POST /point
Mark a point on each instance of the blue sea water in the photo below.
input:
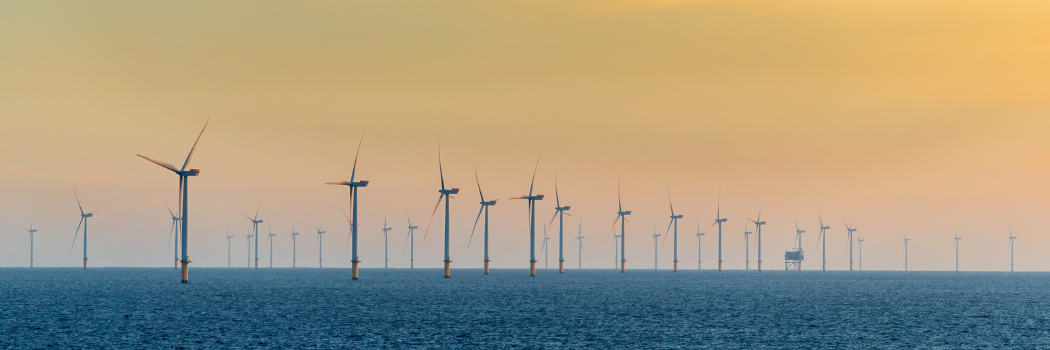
(397, 308)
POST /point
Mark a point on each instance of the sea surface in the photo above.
(148, 308)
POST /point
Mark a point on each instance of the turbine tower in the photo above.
(699, 258)
(229, 249)
(616, 250)
(353, 202)
(560, 212)
(269, 237)
(906, 239)
(860, 253)
(747, 247)
(411, 242)
(957, 238)
(184, 176)
(579, 237)
(758, 229)
(656, 249)
(320, 260)
(719, 220)
(446, 194)
(174, 230)
(31, 231)
(294, 234)
(621, 216)
(532, 218)
(255, 226)
(83, 221)
(386, 244)
(849, 237)
(250, 248)
(543, 248)
(484, 208)
(674, 222)
(1012, 238)
(823, 238)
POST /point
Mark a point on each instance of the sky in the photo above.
(918, 117)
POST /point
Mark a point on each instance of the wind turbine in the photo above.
(622, 217)
(546, 253)
(294, 234)
(229, 249)
(386, 244)
(823, 239)
(957, 238)
(674, 222)
(184, 176)
(484, 208)
(747, 247)
(446, 194)
(906, 239)
(174, 230)
(719, 220)
(83, 221)
(31, 231)
(255, 226)
(250, 248)
(616, 251)
(758, 229)
(849, 237)
(269, 236)
(320, 261)
(353, 194)
(532, 218)
(1012, 238)
(412, 242)
(579, 237)
(656, 249)
(860, 253)
(699, 259)
(560, 212)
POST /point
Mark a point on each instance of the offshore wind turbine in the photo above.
(906, 239)
(83, 221)
(320, 260)
(294, 234)
(174, 230)
(656, 249)
(1012, 238)
(269, 237)
(719, 220)
(31, 231)
(229, 249)
(250, 248)
(823, 238)
(560, 212)
(849, 237)
(674, 222)
(579, 237)
(699, 258)
(255, 226)
(353, 202)
(484, 208)
(616, 251)
(411, 242)
(621, 216)
(386, 244)
(957, 238)
(184, 176)
(446, 194)
(758, 229)
(747, 247)
(544, 249)
(860, 253)
(532, 218)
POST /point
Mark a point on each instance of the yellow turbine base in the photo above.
(448, 267)
(532, 268)
(719, 266)
(675, 266)
(85, 264)
(185, 272)
(623, 265)
(561, 267)
(256, 263)
(486, 267)
(759, 266)
(355, 270)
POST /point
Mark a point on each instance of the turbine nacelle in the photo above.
(677, 216)
(449, 191)
(492, 202)
(413, 227)
(721, 220)
(624, 213)
(565, 208)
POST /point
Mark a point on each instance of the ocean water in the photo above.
(645, 309)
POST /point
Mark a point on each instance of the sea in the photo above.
(240, 308)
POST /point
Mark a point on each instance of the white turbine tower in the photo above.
(656, 249)
(411, 242)
(184, 177)
(83, 221)
(957, 238)
(616, 251)
(32, 232)
(229, 249)
(484, 208)
(294, 235)
(269, 237)
(446, 195)
(543, 248)
(674, 222)
(255, 226)
(579, 237)
(823, 240)
(320, 260)
(621, 216)
(559, 212)
(718, 221)
(1012, 238)
(353, 203)
(249, 248)
(849, 237)
(906, 239)
(747, 247)
(860, 253)
(532, 217)
(758, 229)
(699, 244)
(386, 244)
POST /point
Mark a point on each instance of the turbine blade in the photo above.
(78, 200)
(257, 211)
(157, 162)
(432, 216)
(557, 200)
(612, 228)
(552, 220)
(533, 183)
(475, 226)
(77, 233)
(665, 235)
(354, 171)
(169, 208)
(194, 148)
(478, 181)
(441, 171)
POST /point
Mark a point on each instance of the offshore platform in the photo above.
(793, 258)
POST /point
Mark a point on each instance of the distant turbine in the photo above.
(294, 234)
(823, 238)
(860, 253)
(758, 229)
(250, 248)
(446, 194)
(546, 253)
(229, 249)
(849, 237)
(747, 247)
(411, 242)
(184, 176)
(622, 217)
(674, 222)
(532, 218)
(386, 244)
(320, 261)
(616, 251)
(656, 249)
(719, 220)
(579, 237)
(83, 221)
(699, 257)
(560, 212)
(794, 258)
(255, 226)
(174, 230)
(906, 239)
(269, 236)
(484, 208)
(798, 236)
(31, 231)
(353, 194)
(1012, 238)
(957, 238)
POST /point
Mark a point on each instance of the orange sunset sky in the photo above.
(917, 116)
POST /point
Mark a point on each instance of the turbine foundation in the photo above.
(532, 268)
(759, 266)
(256, 263)
(561, 266)
(719, 266)
(675, 266)
(355, 262)
(176, 263)
(448, 267)
(85, 264)
(185, 272)
(623, 265)
(486, 267)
